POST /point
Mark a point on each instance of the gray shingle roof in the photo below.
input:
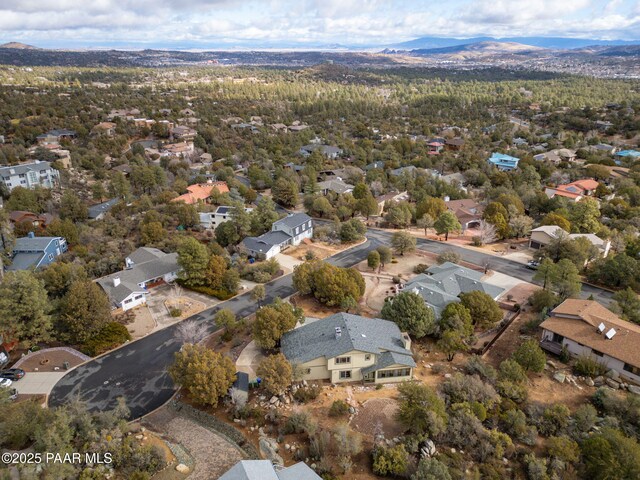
(24, 261)
(265, 242)
(36, 244)
(24, 168)
(264, 470)
(318, 339)
(444, 283)
(293, 220)
(149, 263)
(387, 359)
(337, 186)
(96, 210)
(299, 471)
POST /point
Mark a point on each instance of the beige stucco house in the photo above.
(349, 348)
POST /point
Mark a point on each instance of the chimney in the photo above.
(116, 281)
(31, 235)
(338, 332)
(128, 263)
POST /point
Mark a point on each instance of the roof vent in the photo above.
(363, 335)
(610, 334)
(601, 327)
(338, 332)
(116, 281)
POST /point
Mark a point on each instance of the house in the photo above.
(454, 144)
(292, 166)
(265, 470)
(98, 211)
(442, 284)
(631, 155)
(337, 186)
(326, 150)
(410, 170)
(574, 191)
(383, 200)
(545, 234)
(557, 156)
(33, 252)
(519, 142)
(504, 162)
(616, 171)
(245, 126)
(586, 328)
(603, 148)
(279, 127)
(29, 175)
(145, 269)
(56, 136)
(201, 192)
(180, 149)
(467, 211)
(105, 128)
(375, 165)
(290, 230)
(435, 146)
(184, 134)
(348, 348)
(211, 220)
(37, 220)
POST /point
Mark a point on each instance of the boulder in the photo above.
(182, 468)
(598, 381)
(551, 364)
(589, 381)
(634, 389)
(430, 448)
(612, 383)
(269, 450)
(559, 377)
(613, 374)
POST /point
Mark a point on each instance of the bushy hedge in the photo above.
(112, 335)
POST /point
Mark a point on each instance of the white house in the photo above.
(586, 328)
(211, 220)
(545, 234)
(290, 230)
(145, 268)
(347, 348)
(29, 175)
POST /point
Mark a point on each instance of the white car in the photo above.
(5, 382)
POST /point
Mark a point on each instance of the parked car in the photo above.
(533, 265)
(12, 374)
(5, 382)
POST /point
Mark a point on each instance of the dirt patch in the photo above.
(320, 250)
(311, 307)
(49, 361)
(378, 415)
(543, 389)
(510, 339)
(143, 324)
(186, 305)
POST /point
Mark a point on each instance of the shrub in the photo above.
(475, 366)
(110, 336)
(298, 422)
(305, 394)
(543, 299)
(175, 312)
(554, 419)
(530, 356)
(420, 268)
(390, 461)
(219, 294)
(338, 408)
(464, 388)
(589, 367)
(396, 280)
(476, 241)
(448, 256)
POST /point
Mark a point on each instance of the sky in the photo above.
(276, 23)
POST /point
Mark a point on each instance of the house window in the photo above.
(557, 338)
(367, 357)
(631, 369)
(345, 374)
(342, 360)
(399, 372)
(51, 256)
(597, 353)
(128, 300)
(307, 371)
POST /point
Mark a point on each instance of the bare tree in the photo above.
(191, 331)
(176, 291)
(238, 398)
(487, 232)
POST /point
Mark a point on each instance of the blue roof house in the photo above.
(627, 155)
(36, 252)
(504, 162)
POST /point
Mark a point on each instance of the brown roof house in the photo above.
(586, 328)
(467, 211)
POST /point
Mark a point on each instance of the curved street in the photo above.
(138, 371)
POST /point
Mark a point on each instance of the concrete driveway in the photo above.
(249, 360)
(37, 383)
(287, 262)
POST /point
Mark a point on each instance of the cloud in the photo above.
(365, 22)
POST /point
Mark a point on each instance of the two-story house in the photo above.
(211, 220)
(290, 230)
(29, 175)
(504, 162)
(348, 348)
(586, 328)
(33, 252)
(144, 269)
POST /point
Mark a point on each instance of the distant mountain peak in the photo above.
(18, 46)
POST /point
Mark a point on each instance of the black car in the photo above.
(12, 373)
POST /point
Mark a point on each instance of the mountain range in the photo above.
(561, 43)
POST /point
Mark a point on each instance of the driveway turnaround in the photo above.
(37, 383)
(138, 371)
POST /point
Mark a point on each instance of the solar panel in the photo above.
(610, 334)
(601, 327)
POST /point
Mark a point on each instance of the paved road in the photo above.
(137, 371)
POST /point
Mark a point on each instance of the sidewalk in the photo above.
(36, 383)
